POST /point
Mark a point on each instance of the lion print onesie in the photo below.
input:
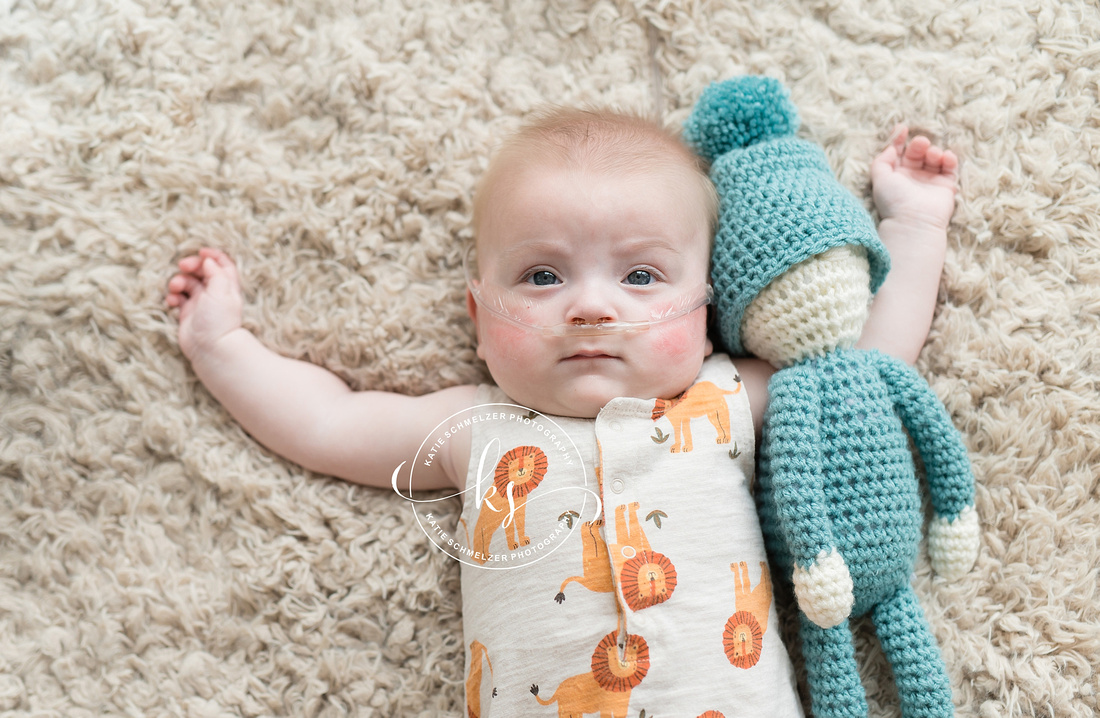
(661, 602)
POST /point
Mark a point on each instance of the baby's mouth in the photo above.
(586, 354)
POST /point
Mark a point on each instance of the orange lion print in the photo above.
(704, 399)
(517, 474)
(743, 637)
(605, 690)
(594, 561)
(647, 579)
(596, 567)
(479, 658)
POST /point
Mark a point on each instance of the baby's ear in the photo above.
(471, 307)
(740, 112)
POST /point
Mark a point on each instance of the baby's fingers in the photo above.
(181, 288)
(190, 264)
(196, 263)
(950, 161)
(922, 156)
(217, 264)
(183, 285)
(917, 152)
(947, 162)
(938, 161)
(933, 158)
(895, 146)
(897, 139)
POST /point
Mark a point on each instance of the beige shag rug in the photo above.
(155, 561)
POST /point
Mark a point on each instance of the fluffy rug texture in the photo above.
(156, 561)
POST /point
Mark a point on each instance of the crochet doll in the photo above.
(796, 260)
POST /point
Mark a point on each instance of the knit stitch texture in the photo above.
(819, 305)
(780, 202)
(837, 489)
(836, 475)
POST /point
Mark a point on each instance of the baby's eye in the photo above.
(639, 278)
(543, 278)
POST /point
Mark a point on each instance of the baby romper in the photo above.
(660, 602)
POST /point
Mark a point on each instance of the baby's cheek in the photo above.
(679, 339)
(506, 341)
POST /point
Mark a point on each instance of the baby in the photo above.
(589, 299)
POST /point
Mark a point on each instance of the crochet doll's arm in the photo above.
(822, 582)
(953, 539)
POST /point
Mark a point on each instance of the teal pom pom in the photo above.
(779, 201)
(740, 112)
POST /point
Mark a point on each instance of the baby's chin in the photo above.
(558, 405)
(584, 400)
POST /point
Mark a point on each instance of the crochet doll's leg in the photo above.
(909, 645)
(832, 672)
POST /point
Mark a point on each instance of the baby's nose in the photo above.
(590, 305)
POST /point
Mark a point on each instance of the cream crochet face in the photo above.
(816, 306)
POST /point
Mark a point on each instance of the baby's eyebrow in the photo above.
(523, 250)
(643, 244)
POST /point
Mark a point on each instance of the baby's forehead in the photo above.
(640, 155)
(595, 144)
(586, 140)
(523, 173)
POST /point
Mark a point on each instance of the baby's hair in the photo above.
(598, 140)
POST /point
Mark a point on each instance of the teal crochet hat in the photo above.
(779, 201)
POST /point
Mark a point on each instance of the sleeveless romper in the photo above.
(657, 597)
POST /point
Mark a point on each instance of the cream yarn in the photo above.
(816, 306)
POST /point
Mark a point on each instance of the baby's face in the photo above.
(593, 246)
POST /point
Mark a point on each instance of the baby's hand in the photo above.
(208, 294)
(915, 183)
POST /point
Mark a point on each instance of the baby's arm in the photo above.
(914, 192)
(297, 409)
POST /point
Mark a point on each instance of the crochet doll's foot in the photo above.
(831, 671)
(919, 673)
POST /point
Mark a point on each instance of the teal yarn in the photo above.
(835, 468)
(780, 202)
(737, 113)
(910, 647)
(835, 472)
